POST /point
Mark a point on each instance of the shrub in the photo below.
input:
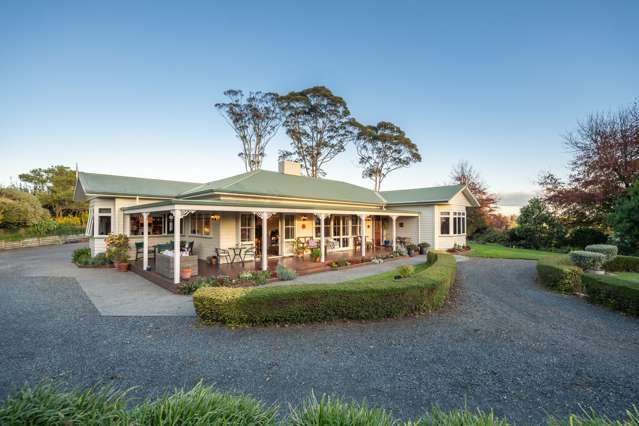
(284, 273)
(44, 227)
(189, 287)
(612, 292)
(587, 260)
(261, 277)
(405, 271)
(607, 250)
(440, 417)
(559, 274)
(81, 252)
(316, 253)
(585, 236)
(622, 264)
(49, 404)
(20, 209)
(373, 297)
(491, 235)
(203, 406)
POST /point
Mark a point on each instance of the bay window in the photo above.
(444, 223)
(459, 223)
(104, 221)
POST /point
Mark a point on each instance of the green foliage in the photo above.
(332, 411)
(607, 250)
(559, 274)
(203, 406)
(83, 257)
(19, 209)
(439, 417)
(491, 235)
(117, 248)
(625, 219)
(49, 404)
(496, 251)
(54, 188)
(374, 297)
(284, 273)
(316, 253)
(622, 263)
(537, 227)
(405, 271)
(587, 260)
(45, 227)
(81, 252)
(585, 236)
(319, 125)
(382, 149)
(612, 292)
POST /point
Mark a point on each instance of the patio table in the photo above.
(237, 252)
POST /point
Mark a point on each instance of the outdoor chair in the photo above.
(222, 254)
(139, 250)
(249, 252)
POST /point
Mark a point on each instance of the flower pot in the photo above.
(122, 267)
(316, 259)
(186, 273)
(423, 250)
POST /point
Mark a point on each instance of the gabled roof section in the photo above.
(275, 184)
(99, 184)
(432, 195)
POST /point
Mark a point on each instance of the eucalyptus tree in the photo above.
(382, 149)
(319, 125)
(255, 120)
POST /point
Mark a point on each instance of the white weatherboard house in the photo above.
(271, 211)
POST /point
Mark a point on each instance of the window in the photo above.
(459, 223)
(159, 224)
(289, 227)
(200, 224)
(247, 228)
(444, 223)
(327, 227)
(355, 228)
(340, 231)
(104, 221)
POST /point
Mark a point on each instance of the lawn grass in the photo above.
(24, 233)
(496, 251)
(631, 277)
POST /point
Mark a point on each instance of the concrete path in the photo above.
(113, 293)
(351, 273)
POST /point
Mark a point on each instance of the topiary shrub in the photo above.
(405, 271)
(607, 250)
(559, 274)
(587, 260)
(622, 264)
(373, 297)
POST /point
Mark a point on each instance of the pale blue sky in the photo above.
(129, 87)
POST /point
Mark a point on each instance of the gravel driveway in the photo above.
(502, 343)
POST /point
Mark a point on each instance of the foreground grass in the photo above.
(496, 251)
(48, 404)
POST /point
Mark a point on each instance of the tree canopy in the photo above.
(382, 149)
(605, 162)
(625, 219)
(54, 187)
(477, 217)
(319, 126)
(20, 209)
(255, 120)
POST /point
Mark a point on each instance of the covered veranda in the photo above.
(352, 247)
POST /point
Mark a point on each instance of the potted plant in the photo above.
(423, 248)
(186, 273)
(316, 254)
(412, 249)
(118, 251)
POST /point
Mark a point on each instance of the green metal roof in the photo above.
(436, 194)
(93, 183)
(261, 205)
(264, 182)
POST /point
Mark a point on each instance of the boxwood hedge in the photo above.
(613, 292)
(375, 297)
(622, 264)
(559, 274)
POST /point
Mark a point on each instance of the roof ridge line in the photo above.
(246, 176)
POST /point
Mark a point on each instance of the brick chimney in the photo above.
(290, 168)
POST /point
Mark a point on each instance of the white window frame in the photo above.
(459, 223)
(443, 215)
(194, 217)
(250, 227)
(108, 214)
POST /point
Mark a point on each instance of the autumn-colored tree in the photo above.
(319, 125)
(476, 217)
(382, 149)
(605, 163)
(255, 120)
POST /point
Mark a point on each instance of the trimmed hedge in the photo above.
(368, 298)
(607, 250)
(622, 264)
(613, 292)
(588, 260)
(559, 274)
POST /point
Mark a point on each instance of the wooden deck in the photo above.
(303, 266)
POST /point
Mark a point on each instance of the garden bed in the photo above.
(374, 297)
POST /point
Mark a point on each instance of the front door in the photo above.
(378, 231)
(272, 235)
